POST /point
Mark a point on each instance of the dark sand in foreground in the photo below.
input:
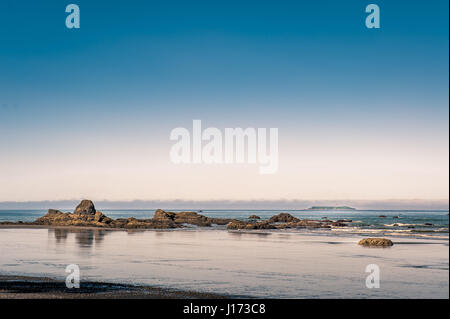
(24, 287)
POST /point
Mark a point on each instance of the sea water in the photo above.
(274, 264)
(396, 222)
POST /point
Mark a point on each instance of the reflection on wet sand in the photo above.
(59, 234)
(257, 264)
(83, 237)
(243, 235)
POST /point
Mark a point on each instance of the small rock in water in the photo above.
(376, 242)
(254, 217)
(283, 218)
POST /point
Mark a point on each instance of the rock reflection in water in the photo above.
(83, 237)
(59, 234)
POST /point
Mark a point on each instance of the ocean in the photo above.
(290, 263)
(397, 222)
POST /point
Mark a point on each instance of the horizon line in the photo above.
(267, 204)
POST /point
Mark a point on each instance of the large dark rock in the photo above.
(85, 207)
(163, 215)
(283, 218)
(192, 218)
(305, 223)
(236, 224)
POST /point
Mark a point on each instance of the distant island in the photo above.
(331, 208)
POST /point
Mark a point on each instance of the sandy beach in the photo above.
(27, 287)
(210, 263)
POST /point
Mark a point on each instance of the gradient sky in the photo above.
(362, 113)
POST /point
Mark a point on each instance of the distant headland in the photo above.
(331, 208)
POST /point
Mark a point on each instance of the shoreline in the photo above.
(86, 217)
(32, 287)
(340, 232)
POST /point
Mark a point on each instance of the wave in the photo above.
(401, 225)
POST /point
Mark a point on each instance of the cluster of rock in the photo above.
(282, 221)
(191, 218)
(85, 214)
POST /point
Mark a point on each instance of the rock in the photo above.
(344, 221)
(162, 215)
(396, 217)
(338, 224)
(53, 212)
(53, 217)
(428, 224)
(86, 215)
(188, 218)
(220, 221)
(99, 217)
(83, 217)
(192, 218)
(260, 225)
(283, 218)
(305, 223)
(311, 224)
(382, 216)
(85, 207)
(254, 217)
(376, 242)
(236, 224)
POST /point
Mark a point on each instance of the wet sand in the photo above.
(199, 263)
(25, 287)
(28, 226)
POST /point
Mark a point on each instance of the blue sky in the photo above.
(137, 69)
